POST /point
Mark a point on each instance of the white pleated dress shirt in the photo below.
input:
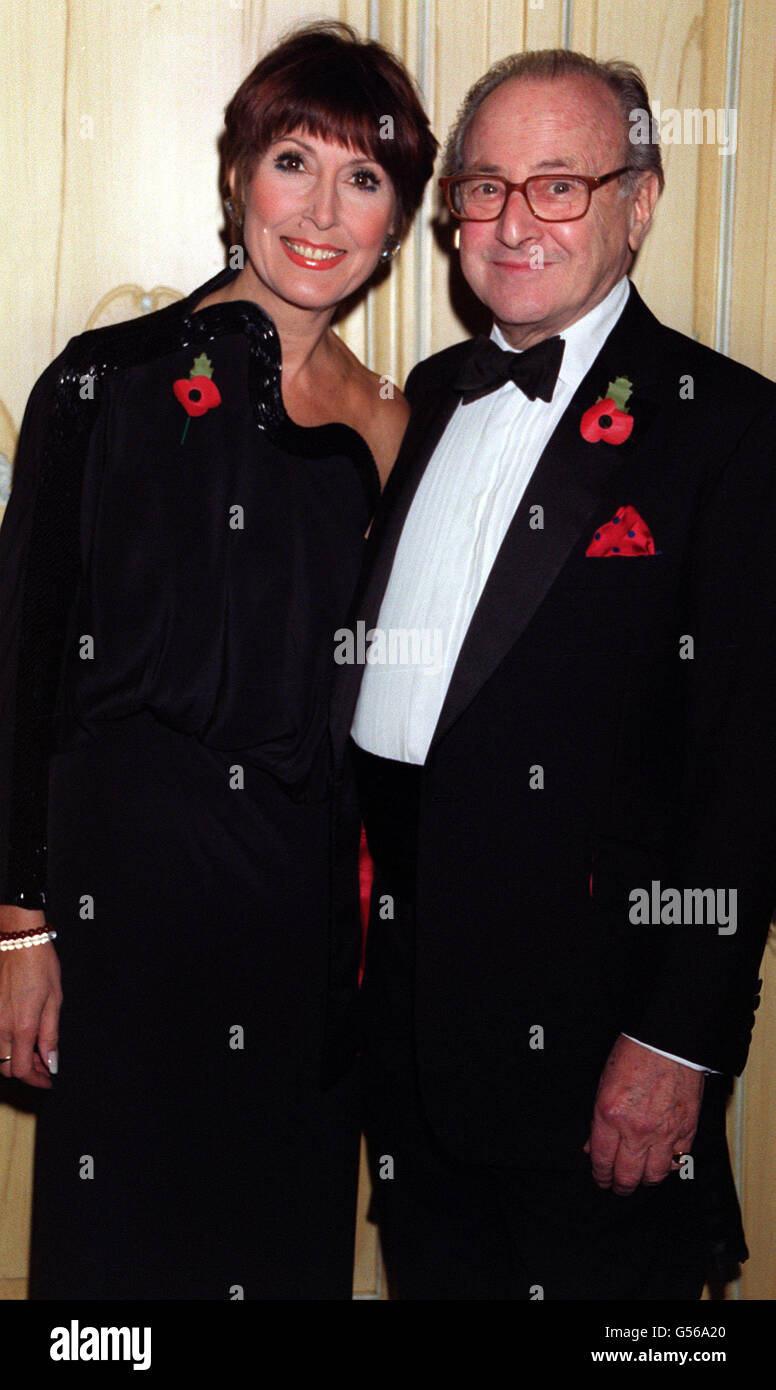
(465, 501)
(460, 514)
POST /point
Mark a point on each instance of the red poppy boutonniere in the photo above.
(197, 392)
(608, 419)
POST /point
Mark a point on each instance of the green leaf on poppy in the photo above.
(619, 391)
(202, 366)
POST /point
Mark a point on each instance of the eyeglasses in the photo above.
(551, 197)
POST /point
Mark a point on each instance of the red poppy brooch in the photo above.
(197, 392)
(608, 419)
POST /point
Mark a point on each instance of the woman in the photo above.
(180, 546)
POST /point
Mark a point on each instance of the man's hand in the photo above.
(646, 1110)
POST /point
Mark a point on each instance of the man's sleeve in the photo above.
(694, 1066)
(702, 993)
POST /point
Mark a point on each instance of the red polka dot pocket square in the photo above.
(626, 534)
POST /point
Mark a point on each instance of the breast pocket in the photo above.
(615, 604)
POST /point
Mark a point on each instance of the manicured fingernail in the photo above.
(53, 1063)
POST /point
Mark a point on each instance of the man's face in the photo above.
(536, 277)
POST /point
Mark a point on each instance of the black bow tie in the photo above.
(488, 366)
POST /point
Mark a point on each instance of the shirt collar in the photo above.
(585, 338)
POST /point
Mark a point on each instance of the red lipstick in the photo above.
(333, 254)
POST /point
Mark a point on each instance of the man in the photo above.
(570, 814)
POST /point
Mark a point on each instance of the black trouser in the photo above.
(463, 1231)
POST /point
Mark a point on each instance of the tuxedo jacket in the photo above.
(610, 724)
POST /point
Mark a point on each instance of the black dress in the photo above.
(172, 584)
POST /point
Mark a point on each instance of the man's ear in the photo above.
(642, 208)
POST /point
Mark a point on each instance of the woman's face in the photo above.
(316, 218)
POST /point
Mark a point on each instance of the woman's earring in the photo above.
(389, 249)
(457, 238)
(235, 216)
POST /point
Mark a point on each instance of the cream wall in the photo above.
(110, 111)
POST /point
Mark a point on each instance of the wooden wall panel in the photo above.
(668, 51)
(713, 168)
(390, 311)
(753, 277)
(460, 47)
(756, 1159)
(466, 40)
(31, 118)
(751, 294)
(17, 1137)
(111, 113)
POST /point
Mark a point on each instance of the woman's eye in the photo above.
(365, 178)
(289, 159)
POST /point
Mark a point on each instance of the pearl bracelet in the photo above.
(33, 936)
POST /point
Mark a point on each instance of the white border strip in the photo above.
(722, 344)
(567, 24)
(374, 19)
(728, 189)
(422, 345)
(373, 32)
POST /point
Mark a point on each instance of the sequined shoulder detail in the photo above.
(266, 394)
(263, 344)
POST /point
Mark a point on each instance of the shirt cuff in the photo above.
(709, 1071)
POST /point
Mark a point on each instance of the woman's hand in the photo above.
(30, 999)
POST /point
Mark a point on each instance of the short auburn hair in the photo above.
(324, 79)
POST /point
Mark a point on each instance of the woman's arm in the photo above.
(37, 582)
(30, 999)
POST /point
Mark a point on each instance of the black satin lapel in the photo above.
(424, 431)
(567, 484)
